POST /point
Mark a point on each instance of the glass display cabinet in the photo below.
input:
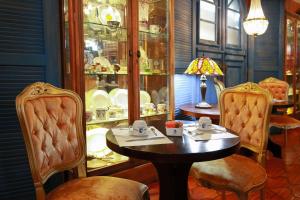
(292, 60)
(118, 55)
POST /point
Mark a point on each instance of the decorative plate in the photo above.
(121, 98)
(88, 98)
(144, 97)
(96, 142)
(100, 99)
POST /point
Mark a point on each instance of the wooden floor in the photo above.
(283, 175)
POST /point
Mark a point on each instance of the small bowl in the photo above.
(174, 131)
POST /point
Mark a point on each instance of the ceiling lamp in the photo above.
(256, 23)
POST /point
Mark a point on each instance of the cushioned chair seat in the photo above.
(284, 121)
(99, 187)
(228, 171)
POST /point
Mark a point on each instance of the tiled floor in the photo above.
(283, 175)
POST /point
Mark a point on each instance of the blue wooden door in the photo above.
(29, 52)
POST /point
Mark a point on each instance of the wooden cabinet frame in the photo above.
(76, 71)
(295, 56)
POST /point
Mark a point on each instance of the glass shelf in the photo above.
(125, 73)
(106, 121)
(106, 32)
(93, 122)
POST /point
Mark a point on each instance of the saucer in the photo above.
(205, 129)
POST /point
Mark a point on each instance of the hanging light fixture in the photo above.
(256, 23)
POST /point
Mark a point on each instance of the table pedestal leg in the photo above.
(173, 180)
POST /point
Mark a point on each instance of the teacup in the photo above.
(139, 128)
(205, 123)
(101, 113)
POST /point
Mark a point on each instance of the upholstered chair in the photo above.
(51, 122)
(279, 90)
(244, 110)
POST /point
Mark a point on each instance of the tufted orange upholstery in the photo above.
(245, 110)
(51, 121)
(279, 90)
(52, 128)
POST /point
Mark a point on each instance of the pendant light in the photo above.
(256, 23)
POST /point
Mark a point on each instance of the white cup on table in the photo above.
(205, 123)
(140, 128)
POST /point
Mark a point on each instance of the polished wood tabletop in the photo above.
(191, 110)
(173, 161)
(214, 112)
(282, 104)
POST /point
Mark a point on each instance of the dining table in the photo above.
(173, 161)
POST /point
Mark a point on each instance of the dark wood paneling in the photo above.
(235, 74)
(266, 51)
(261, 74)
(230, 58)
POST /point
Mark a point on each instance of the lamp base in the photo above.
(203, 104)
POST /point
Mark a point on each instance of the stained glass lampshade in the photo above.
(203, 66)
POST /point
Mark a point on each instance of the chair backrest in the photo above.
(51, 122)
(245, 109)
(278, 88)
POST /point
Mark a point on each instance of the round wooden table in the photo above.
(191, 110)
(281, 105)
(214, 114)
(173, 161)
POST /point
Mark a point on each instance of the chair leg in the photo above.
(223, 194)
(243, 196)
(262, 194)
(285, 136)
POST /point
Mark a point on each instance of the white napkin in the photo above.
(216, 132)
(124, 137)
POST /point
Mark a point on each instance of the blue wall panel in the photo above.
(183, 34)
(26, 56)
(183, 84)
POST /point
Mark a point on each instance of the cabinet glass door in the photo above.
(105, 69)
(153, 43)
(297, 69)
